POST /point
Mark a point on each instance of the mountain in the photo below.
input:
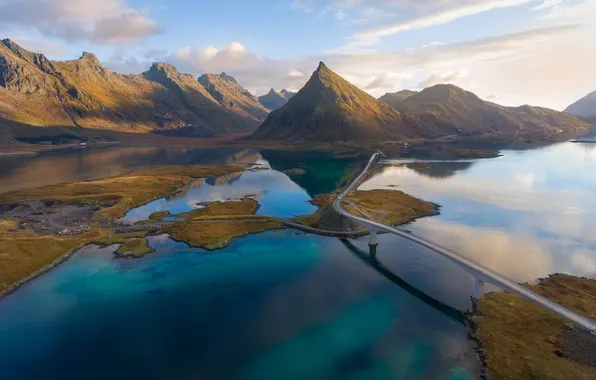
(396, 99)
(234, 97)
(585, 107)
(329, 108)
(82, 93)
(274, 100)
(287, 94)
(456, 111)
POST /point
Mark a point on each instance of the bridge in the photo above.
(479, 272)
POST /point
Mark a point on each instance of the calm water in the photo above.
(286, 305)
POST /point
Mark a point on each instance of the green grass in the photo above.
(520, 338)
(135, 247)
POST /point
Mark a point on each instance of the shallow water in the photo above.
(285, 305)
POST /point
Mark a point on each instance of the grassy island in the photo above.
(391, 207)
(217, 209)
(217, 234)
(523, 341)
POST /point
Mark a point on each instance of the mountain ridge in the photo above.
(328, 108)
(82, 93)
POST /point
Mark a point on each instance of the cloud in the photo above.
(98, 21)
(443, 77)
(520, 257)
(446, 16)
(44, 47)
(258, 74)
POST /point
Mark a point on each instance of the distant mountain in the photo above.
(39, 92)
(453, 110)
(287, 94)
(328, 108)
(585, 107)
(396, 99)
(234, 97)
(274, 100)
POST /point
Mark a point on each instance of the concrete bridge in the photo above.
(480, 273)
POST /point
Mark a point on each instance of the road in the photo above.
(479, 271)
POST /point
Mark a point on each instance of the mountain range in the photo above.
(35, 91)
(329, 108)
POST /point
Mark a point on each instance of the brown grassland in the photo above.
(24, 253)
(521, 340)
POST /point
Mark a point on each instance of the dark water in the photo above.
(285, 305)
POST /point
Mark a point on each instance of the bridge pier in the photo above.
(478, 288)
(372, 238)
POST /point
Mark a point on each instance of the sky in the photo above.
(511, 52)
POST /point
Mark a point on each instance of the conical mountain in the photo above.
(273, 100)
(585, 107)
(329, 108)
(226, 90)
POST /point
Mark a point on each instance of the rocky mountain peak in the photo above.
(227, 77)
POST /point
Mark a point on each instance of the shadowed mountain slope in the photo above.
(234, 97)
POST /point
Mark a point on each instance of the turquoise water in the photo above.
(287, 305)
(270, 306)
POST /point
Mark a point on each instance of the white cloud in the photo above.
(443, 17)
(295, 73)
(36, 46)
(443, 77)
(98, 21)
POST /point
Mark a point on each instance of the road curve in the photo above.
(477, 270)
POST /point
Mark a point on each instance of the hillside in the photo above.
(329, 108)
(456, 111)
(287, 94)
(234, 97)
(274, 100)
(584, 108)
(396, 99)
(82, 93)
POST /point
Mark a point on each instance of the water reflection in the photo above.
(370, 259)
(525, 214)
(275, 192)
(17, 172)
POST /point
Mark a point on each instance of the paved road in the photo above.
(479, 271)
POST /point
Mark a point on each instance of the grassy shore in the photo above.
(123, 192)
(22, 254)
(523, 341)
(133, 248)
